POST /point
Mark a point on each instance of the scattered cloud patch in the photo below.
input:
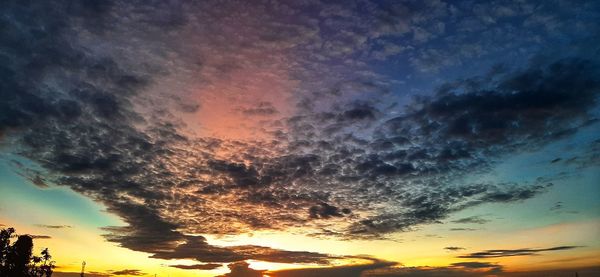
(54, 226)
(198, 266)
(514, 252)
(132, 272)
(454, 248)
(471, 220)
(345, 271)
(463, 229)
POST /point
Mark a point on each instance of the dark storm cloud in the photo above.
(514, 252)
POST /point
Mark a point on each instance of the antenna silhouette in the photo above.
(82, 268)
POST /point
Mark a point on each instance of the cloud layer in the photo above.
(96, 98)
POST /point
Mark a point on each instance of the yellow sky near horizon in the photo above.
(70, 246)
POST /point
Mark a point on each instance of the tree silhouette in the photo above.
(17, 259)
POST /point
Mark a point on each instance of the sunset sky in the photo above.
(303, 138)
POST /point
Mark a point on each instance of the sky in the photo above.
(303, 138)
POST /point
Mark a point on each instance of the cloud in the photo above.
(133, 272)
(196, 247)
(346, 271)
(54, 226)
(471, 220)
(463, 229)
(581, 271)
(391, 269)
(263, 109)
(455, 269)
(556, 160)
(198, 266)
(478, 265)
(480, 118)
(242, 269)
(454, 248)
(40, 236)
(514, 252)
(324, 210)
(146, 230)
(97, 120)
(557, 206)
(78, 274)
(98, 147)
(38, 181)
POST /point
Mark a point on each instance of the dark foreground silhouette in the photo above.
(17, 259)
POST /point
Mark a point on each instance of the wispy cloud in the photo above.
(53, 226)
(454, 248)
(198, 266)
(131, 272)
(471, 220)
(463, 229)
(346, 271)
(40, 236)
(514, 252)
